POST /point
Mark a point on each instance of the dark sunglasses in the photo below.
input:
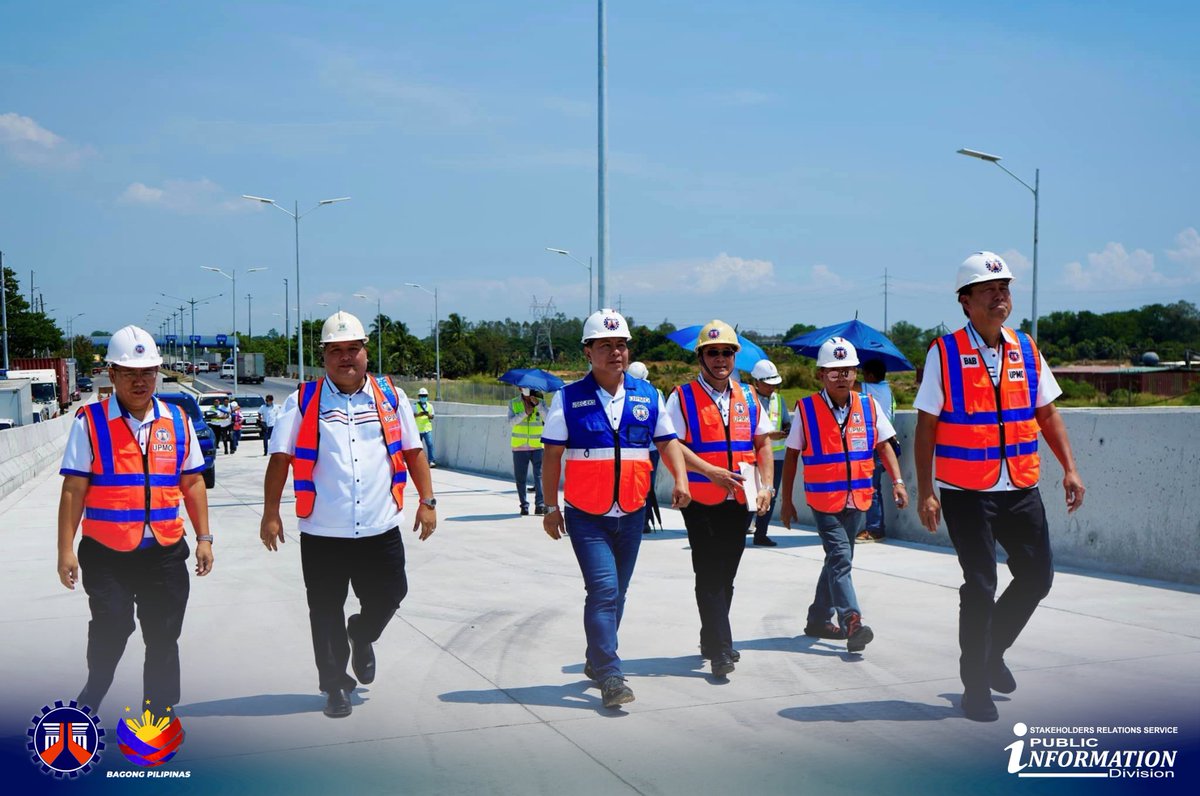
(723, 352)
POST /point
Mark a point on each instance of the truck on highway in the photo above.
(251, 368)
(16, 403)
(43, 388)
(58, 366)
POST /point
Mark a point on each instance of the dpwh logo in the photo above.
(139, 349)
(65, 739)
(840, 352)
(994, 266)
(162, 435)
(713, 334)
(641, 412)
(612, 324)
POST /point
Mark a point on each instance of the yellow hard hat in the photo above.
(715, 332)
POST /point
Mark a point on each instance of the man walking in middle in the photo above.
(723, 429)
(603, 425)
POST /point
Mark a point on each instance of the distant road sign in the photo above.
(170, 338)
(221, 339)
(195, 338)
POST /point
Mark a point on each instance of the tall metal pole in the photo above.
(287, 324)
(602, 154)
(1037, 176)
(249, 317)
(379, 321)
(233, 331)
(4, 307)
(437, 344)
(299, 337)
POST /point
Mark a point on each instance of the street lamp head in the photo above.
(361, 296)
(971, 153)
(557, 251)
(258, 199)
(331, 201)
(252, 270)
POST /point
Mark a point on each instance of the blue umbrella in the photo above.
(533, 378)
(870, 342)
(747, 357)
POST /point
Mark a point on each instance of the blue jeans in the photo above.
(521, 462)
(427, 441)
(607, 550)
(835, 590)
(875, 521)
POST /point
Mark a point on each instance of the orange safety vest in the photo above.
(607, 466)
(128, 489)
(715, 442)
(304, 460)
(838, 460)
(982, 424)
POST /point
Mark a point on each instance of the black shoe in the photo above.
(524, 511)
(858, 635)
(337, 704)
(828, 630)
(539, 509)
(362, 655)
(763, 541)
(615, 693)
(978, 706)
(1000, 678)
(708, 656)
(722, 665)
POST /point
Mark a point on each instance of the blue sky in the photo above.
(767, 160)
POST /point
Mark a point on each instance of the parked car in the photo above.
(207, 400)
(85, 383)
(208, 440)
(251, 407)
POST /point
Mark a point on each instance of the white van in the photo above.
(228, 369)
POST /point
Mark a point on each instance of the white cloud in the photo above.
(1114, 268)
(187, 197)
(1018, 263)
(722, 273)
(822, 276)
(1188, 252)
(27, 142)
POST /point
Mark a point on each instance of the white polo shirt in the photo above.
(77, 459)
(884, 430)
(931, 397)
(353, 473)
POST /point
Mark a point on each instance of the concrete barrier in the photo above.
(26, 450)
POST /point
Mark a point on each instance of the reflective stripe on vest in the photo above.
(712, 440)
(775, 412)
(527, 433)
(606, 466)
(975, 432)
(304, 460)
(128, 490)
(838, 466)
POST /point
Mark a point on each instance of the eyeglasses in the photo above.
(840, 373)
(721, 352)
(131, 374)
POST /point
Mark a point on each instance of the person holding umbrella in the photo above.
(525, 413)
(977, 428)
(605, 425)
(838, 432)
(724, 433)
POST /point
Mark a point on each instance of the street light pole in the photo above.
(4, 307)
(379, 323)
(71, 335)
(587, 265)
(1035, 190)
(249, 317)
(296, 216)
(602, 150)
(437, 336)
(233, 331)
(287, 324)
(193, 301)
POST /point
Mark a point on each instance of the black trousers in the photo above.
(265, 431)
(156, 581)
(374, 566)
(717, 535)
(987, 627)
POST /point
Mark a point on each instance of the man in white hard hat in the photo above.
(424, 413)
(837, 433)
(723, 434)
(130, 458)
(526, 414)
(604, 425)
(986, 394)
(766, 385)
(352, 443)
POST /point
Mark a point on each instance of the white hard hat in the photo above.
(133, 347)
(981, 267)
(766, 372)
(525, 391)
(235, 405)
(341, 327)
(638, 370)
(837, 352)
(423, 391)
(605, 323)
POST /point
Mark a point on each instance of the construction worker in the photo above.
(986, 393)
(605, 424)
(766, 385)
(838, 433)
(129, 460)
(424, 414)
(352, 443)
(222, 424)
(638, 370)
(235, 425)
(875, 384)
(525, 414)
(723, 433)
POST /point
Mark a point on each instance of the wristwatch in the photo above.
(430, 502)
(204, 537)
(550, 509)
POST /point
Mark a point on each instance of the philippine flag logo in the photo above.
(147, 741)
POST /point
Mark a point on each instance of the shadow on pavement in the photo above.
(880, 710)
(684, 666)
(570, 695)
(261, 705)
(805, 644)
(482, 517)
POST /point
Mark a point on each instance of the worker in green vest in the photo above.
(766, 385)
(423, 412)
(525, 416)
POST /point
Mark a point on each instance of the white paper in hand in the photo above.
(751, 485)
